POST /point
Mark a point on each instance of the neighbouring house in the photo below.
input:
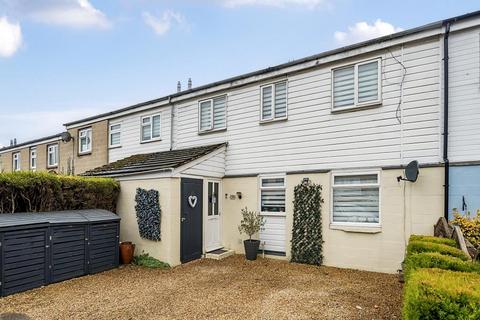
(349, 119)
(72, 152)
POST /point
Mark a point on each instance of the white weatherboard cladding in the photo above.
(313, 137)
(464, 102)
(272, 234)
(130, 135)
(213, 166)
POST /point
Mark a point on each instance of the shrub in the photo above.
(144, 260)
(421, 246)
(446, 241)
(37, 192)
(433, 294)
(470, 226)
(437, 260)
(251, 223)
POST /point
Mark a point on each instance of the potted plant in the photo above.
(127, 250)
(251, 223)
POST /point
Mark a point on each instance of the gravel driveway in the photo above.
(206, 289)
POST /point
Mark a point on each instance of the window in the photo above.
(85, 140)
(33, 158)
(274, 101)
(114, 139)
(272, 194)
(356, 85)
(150, 128)
(52, 155)
(213, 198)
(16, 161)
(356, 199)
(213, 114)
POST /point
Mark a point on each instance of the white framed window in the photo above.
(357, 85)
(274, 101)
(52, 155)
(33, 158)
(212, 114)
(356, 199)
(272, 194)
(114, 139)
(16, 161)
(150, 128)
(85, 140)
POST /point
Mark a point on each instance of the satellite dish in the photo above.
(66, 136)
(411, 172)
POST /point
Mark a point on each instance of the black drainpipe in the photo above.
(445, 117)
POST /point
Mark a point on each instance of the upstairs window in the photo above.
(52, 155)
(16, 161)
(85, 140)
(356, 85)
(274, 101)
(33, 158)
(272, 194)
(356, 199)
(114, 135)
(150, 128)
(213, 114)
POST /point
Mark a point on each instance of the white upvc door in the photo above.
(213, 216)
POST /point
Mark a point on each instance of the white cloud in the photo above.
(70, 13)
(38, 124)
(10, 37)
(163, 24)
(273, 3)
(362, 31)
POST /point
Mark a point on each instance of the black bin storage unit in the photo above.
(41, 248)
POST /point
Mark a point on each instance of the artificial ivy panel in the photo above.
(307, 238)
(148, 214)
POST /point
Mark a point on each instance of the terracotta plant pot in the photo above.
(127, 249)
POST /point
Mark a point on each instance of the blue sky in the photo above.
(61, 60)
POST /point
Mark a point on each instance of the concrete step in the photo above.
(219, 254)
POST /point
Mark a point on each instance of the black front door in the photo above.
(191, 219)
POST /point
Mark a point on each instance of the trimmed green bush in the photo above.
(145, 260)
(437, 260)
(446, 241)
(421, 246)
(434, 294)
(41, 191)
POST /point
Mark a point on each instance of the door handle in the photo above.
(183, 219)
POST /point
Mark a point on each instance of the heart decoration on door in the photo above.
(192, 201)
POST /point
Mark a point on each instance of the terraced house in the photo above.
(71, 152)
(349, 119)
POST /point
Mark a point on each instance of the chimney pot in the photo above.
(14, 141)
(189, 83)
(179, 86)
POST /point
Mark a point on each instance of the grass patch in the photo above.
(145, 260)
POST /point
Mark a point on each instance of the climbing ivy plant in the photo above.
(307, 238)
(148, 214)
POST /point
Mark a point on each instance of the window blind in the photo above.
(267, 103)
(219, 112)
(206, 115)
(281, 100)
(344, 87)
(156, 126)
(368, 82)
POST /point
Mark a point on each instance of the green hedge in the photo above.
(446, 241)
(37, 192)
(437, 260)
(421, 246)
(433, 294)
